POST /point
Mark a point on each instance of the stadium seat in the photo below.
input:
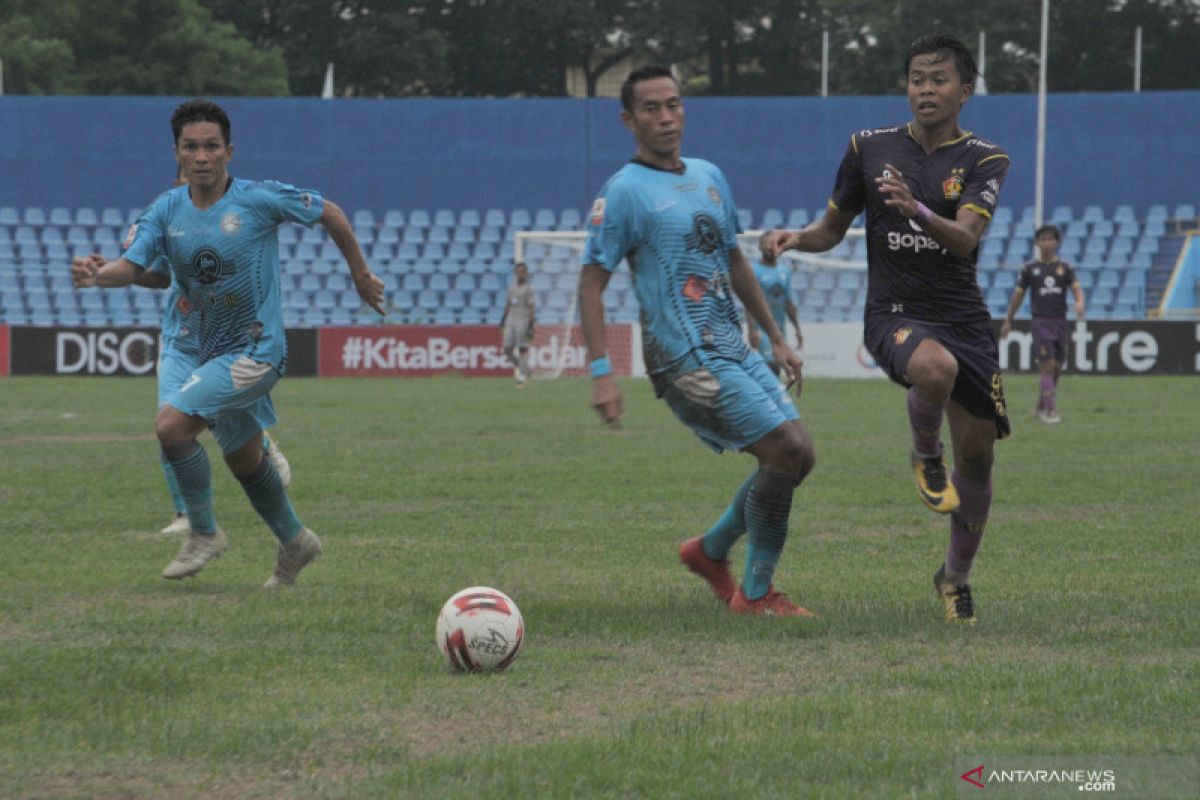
(1070, 249)
(1076, 228)
(364, 218)
(490, 234)
(1102, 229)
(365, 234)
(381, 252)
(1156, 228)
(34, 215)
(112, 217)
(745, 218)
(418, 218)
(1061, 215)
(438, 235)
(1004, 215)
(797, 218)
(544, 219)
(1092, 214)
(1157, 213)
(1117, 261)
(1108, 279)
(438, 282)
(1184, 212)
(520, 219)
(494, 218)
(1124, 213)
(443, 218)
(823, 280)
(998, 230)
(469, 218)
(9, 216)
(412, 282)
(393, 218)
(1141, 261)
(325, 300)
(433, 252)
(570, 219)
(1095, 248)
(1101, 296)
(59, 216)
(1147, 245)
(1004, 280)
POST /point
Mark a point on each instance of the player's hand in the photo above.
(606, 399)
(790, 364)
(773, 243)
(1079, 311)
(370, 288)
(1005, 329)
(899, 196)
(84, 269)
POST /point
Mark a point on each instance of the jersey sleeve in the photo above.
(281, 202)
(1026, 279)
(730, 224)
(612, 230)
(982, 191)
(849, 191)
(1071, 277)
(144, 243)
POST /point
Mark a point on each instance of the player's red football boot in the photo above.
(771, 604)
(717, 573)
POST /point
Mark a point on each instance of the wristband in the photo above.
(923, 212)
(600, 367)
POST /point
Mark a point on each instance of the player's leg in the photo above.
(177, 432)
(511, 341)
(173, 370)
(179, 520)
(973, 441)
(275, 453)
(1047, 395)
(523, 364)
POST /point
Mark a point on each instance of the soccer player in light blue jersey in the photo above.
(674, 220)
(218, 237)
(776, 284)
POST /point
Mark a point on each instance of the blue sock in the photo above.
(720, 538)
(270, 500)
(172, 484)
(767, 509)
(194, 476)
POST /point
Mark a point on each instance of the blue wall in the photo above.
(1102, 149)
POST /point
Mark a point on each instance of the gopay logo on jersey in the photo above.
(916, 242)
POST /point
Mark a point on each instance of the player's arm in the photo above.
(748, 290)
(94, 271)
(818, 236)
(960, 235)
(1013, 305)
(753, 337)
(149, 279)
(794, 317)
(504, 316)
(1077, 290)
(606, 397)
(367, 283)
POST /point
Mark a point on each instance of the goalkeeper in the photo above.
(520, 315)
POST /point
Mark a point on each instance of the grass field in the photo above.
(633, 682)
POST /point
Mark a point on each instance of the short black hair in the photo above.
(648, 72)
(200, 110)
(1051, 229)
(943, 44)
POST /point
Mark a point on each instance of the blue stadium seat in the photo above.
(495, 218)
(490, 234)
(439, 282)
(1148, 245)
(443, 218)
(1108, 279)
(337, 282)
(797, 218)
(1141, 261)
(340, 316)
(392, 218)
(437, 235)
(312, 318)
(381, 252)
(297, 301)
(848, 280)
(490, 283)
(401, 300)
(1092, 214)
(1076, 228)
(1128, 229)
(1121, 245)
(112, 217)
(464, 282)
(412, 282)
(325, 300)
(469, 218)
(454, 300)
(309, 282)
(34, 215)
(59, 216)
(823, 280)
(25, 235)
(1070, 248)
(433, 252)
(1102, 229)
(998, 230)
(1061, 215)
(1004, 280)
(520, 219)
(480, 300)
(87, 217)
(9, 216)
(364, 218)
(1156, 228)
(428, 300)
(1101, 296)
(1095, 248)
(544, 219)
(992, 247)
(1184, 211)
(418, 218)
(745, 218)
(1117, 261)
(1004, 214)
(1157, 213)
(1124, 213)
(570, 219)
(365, 234)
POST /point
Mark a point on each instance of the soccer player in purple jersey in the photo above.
(1047, 278)
(929, 189)
(674, 221)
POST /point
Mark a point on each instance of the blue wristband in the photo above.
(600, 367)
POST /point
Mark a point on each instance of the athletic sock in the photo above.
(523, 363)
(270, 500)
(925, 419)
(172, 484)
(967, 525)
(720, 538)
(768, 505)
(1046, 384)
(193, 474)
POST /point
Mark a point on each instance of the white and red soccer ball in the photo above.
(479, 630)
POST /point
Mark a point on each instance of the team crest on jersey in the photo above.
(184, 305)
(901, 335)
(208, 267)
(1059, 270)
(306, 199)
(952, 187)
(705, 236)
(598, 211)
(714, 195)
(231, 223)
(130, 236)
(695, 289)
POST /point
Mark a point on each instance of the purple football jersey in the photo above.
(1047, 283)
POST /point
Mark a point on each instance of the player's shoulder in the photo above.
(983, 149)
(167, 201)
(874, 137)
(702, 166)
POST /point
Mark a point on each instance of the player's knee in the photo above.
(795, 454)
(975, 464)
(933, 368)
(171, 435)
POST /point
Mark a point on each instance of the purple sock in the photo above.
(1047, 391)
(925, 419)
(967, 525)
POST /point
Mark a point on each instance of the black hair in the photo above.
(943, 44)
(640, 74)
(200, 110)
(1048, 229)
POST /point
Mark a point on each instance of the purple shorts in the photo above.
(979, 387)
(1050, 339)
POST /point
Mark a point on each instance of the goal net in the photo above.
(825, 286)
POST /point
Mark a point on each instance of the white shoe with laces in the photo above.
(196, 551)
(293, 557)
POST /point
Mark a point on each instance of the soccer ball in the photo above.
(479, 630)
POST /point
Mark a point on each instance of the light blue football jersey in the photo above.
(224, 263)
(776, 283)
(676, 232)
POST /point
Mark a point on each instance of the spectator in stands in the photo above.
(929, 189)
(674, 220)
(517, 321)
(776, 285)
(218, 236)
(178, 348)
(1047, 278)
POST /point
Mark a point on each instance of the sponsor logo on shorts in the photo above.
(900, 335)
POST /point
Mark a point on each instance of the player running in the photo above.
(218, 237)
(1047, 278)
(929, 189)
(776, 285)
(675, 221)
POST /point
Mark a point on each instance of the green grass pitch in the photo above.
(632, 682)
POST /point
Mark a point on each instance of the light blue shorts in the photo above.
(730, 405)
(232, 393)
(173, 369)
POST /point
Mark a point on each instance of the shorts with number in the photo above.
(1050, 338)
(730, 405)
(232, 393)
(979, 387)
(516, 336)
